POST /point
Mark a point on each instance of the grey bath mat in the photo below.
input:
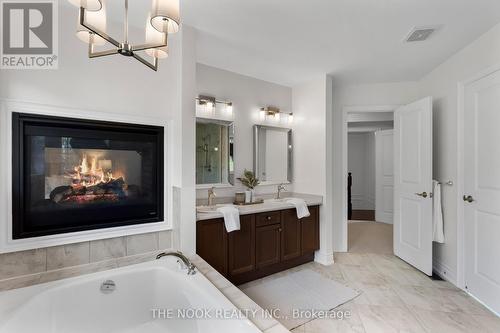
(303, 290)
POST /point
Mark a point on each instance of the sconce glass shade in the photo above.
(262, 115)
(91, 5)
(166, 16)
(229, 108)
(290, 118)
(96, 19)
(156, 37)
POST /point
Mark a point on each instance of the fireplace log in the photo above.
(108, 191)
(60, 192)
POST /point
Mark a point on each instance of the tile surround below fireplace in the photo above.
(24, 268)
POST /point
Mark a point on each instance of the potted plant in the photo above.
(250, 181)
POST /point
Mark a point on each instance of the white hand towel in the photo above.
(437, 214)
(231, 217)
(300, 206)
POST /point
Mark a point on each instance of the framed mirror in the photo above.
(214, 153)
(273, 154)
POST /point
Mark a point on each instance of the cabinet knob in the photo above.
(269, 218)
(279, 229)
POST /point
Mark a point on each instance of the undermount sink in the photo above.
(274, 200)
(209, 209)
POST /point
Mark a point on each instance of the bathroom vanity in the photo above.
(271, 239)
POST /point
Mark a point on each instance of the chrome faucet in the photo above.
(211, 196)
(281, 187)
(190, 266)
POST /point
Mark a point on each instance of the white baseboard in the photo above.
(325, 259)
(445, 272)
(486, 306)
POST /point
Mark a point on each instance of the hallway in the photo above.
(370, 237)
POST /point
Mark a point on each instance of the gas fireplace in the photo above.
(73, 175)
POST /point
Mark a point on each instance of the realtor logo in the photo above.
(29, 34)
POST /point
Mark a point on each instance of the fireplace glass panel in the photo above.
(74, 179)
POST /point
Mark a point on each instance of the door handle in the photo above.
(423, 194)
(468, 198)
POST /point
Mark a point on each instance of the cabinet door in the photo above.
(290, 234)
(310, 231)
(242, 247)
(268, 245)
(211, 243)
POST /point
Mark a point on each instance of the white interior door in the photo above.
(482, 184)
(384, 176)
(413, 184)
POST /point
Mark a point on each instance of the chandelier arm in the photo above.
(153, 66)
(93, 54)
(101, 34)
(102, 53)
(143, 47)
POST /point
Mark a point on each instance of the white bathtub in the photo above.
(78, 305)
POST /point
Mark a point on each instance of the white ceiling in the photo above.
(291, 41)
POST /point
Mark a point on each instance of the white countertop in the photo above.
(311, 200)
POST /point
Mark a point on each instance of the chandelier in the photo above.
(163, 20)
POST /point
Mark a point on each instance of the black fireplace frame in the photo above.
(20, 120)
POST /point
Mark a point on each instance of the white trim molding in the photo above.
(445, 272)
(346, 110)
(7, 244)
(325, 259)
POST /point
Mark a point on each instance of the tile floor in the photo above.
(395, 297)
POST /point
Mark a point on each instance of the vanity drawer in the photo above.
(268, 218)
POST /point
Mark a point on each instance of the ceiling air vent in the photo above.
(420, 34)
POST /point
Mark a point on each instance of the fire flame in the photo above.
(89, 172)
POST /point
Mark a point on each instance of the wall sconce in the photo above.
(211, 102)
(274, 114)
(229, 108)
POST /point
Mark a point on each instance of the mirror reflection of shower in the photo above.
(206, 149)
(214, 152)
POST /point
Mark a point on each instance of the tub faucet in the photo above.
(211, 196)
(190, 266)
(281, 187)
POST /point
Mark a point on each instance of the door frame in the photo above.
(345, 113)
(460, 170)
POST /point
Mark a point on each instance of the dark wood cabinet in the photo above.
(290, 235)
(265, 244)
(211, 243)
(268, 218)
(268, 245)
(310, 231)
(241, 254)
